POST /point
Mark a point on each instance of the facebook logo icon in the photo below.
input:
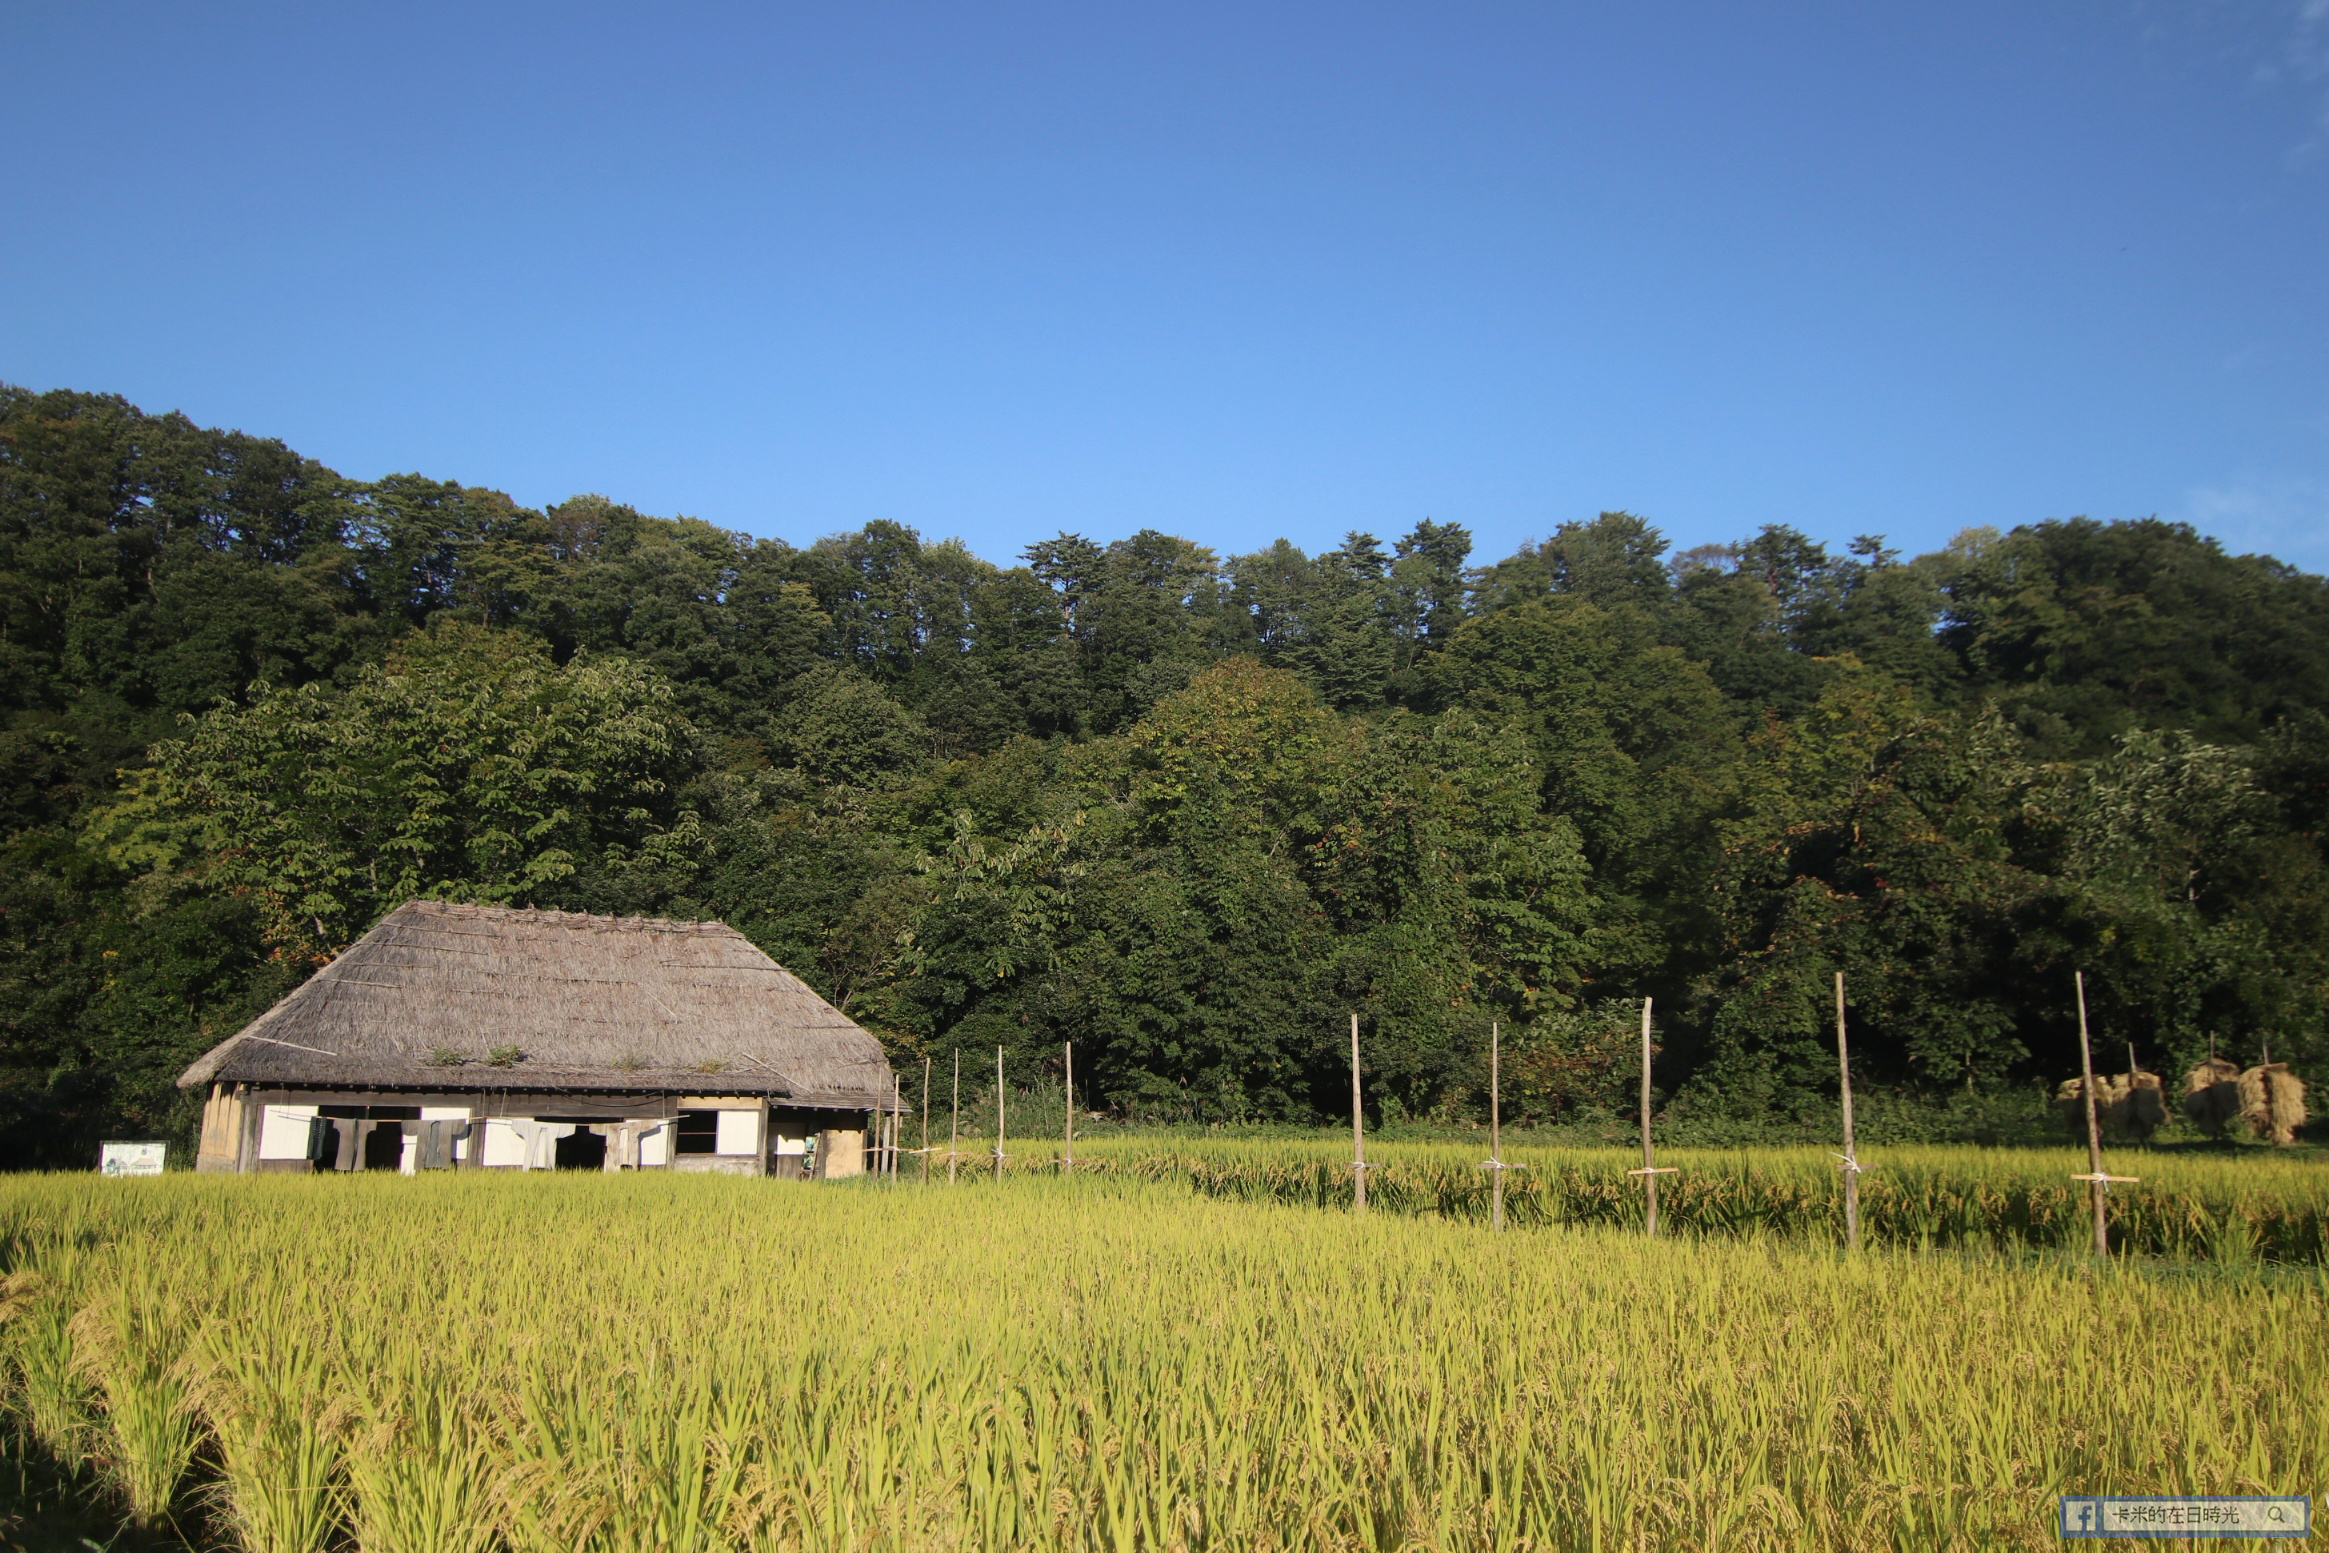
(2081, 1517)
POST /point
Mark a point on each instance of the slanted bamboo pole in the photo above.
(1850, 1156)
(999, 1156)
(925, 1121)
(954, 1120)
(1067, 1158)
(1358, 1125)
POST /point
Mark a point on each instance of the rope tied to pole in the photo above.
(2104, 1181)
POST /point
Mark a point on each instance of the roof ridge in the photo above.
(550, 916)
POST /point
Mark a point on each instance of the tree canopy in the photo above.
(1184, 810)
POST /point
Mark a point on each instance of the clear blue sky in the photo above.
(1233, 271)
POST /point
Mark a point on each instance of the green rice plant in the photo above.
(131, 1341)
(46, 1388)
(260, 1382)
(651, 1458)
(416, 1475)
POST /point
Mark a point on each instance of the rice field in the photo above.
(460, 1364)
(2235, 1207)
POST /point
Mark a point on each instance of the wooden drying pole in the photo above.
(1358, 1125)
(1496, 1165)
(2098, 1183)
(1067, 1160)
(954, 1120)
(1850, 1156)
(897, 1121)
(1000, 1156)
(925, 1121)
(1650, 1170)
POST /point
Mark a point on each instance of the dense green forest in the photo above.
(1184, 810)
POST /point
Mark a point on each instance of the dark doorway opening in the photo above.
(384, 1146)
(584, 1150)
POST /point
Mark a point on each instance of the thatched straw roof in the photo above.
(635, 1004)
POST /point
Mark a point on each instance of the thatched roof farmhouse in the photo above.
(478, 1037)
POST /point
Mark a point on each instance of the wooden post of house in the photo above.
(1850, 1157)
(1358, 1125)
(1067, 1158)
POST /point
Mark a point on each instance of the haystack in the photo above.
(2211, 1096)
(2127, 1106)
(2272, 1102)
(2110, 1105)
(2142, 1105)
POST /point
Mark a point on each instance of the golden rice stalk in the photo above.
(260, 1384)
(36, 1354)
(417, 1475)
(129, 1342)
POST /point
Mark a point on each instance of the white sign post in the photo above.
(130, 1159)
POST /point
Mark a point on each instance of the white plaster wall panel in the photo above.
(283, 1131)
(739, 1132)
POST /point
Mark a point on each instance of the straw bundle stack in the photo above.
(2127, 1106)
(2143, 1105)
(2272, 1102)
(2110, 1105)
(2211, 1096)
